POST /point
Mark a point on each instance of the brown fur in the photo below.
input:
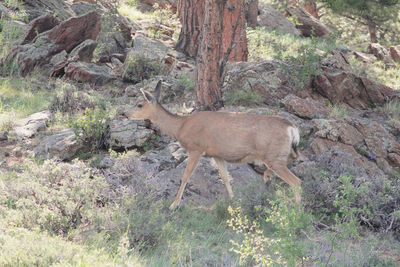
(231, 137)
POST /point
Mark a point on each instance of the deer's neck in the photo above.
(168, 122)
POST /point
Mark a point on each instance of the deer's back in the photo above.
(233, 136)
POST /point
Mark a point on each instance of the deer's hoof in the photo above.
(174, 205)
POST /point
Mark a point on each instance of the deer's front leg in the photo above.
(191, 165)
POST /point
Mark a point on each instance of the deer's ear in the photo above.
(157, 91)
(148, 96)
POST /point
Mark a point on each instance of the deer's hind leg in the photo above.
(223, 172)
(279, 167)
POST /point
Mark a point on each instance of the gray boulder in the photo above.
(65, 36)
(128, 133)
(84, 51)
(3, 136)
(307, 24)
(62, 145)
(272, 19)
(89, 72)
(267, 79)
(28, 127)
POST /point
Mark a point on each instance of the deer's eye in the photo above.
(139, 105)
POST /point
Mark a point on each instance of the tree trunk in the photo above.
(207, 85)
(252, 13)
(234, 31)
(223, 38)
(372, 31)
(311, 7)
(191, 15)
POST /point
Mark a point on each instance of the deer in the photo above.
(232, 137)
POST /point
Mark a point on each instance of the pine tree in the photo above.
(373, 13)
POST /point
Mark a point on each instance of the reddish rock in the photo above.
(58, 63)
(89, 72)
(321, 145)
(68, 34)
(65, 36)
(394, 159)
(338, 131)
(272, 19)
(380, 52)
(87, 1)
(395, 53)
(84, 51)
(39, 25)
(345, 87)
(366, 58)
(308, 25)
(305, 108)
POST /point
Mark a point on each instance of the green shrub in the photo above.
(338, 111)
(54, 197)
(373, 200)
(140, 68)
(279, 247)
(68, 99)
(21, 247)
(185, 83)
(91, 128)
(392, 109)
(242, 98)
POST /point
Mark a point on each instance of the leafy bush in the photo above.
(280, 246)
(91, 128)
(68, 99)
(185, 83)
(375, 199)
(140, 68)
(21, 247)
(242, 98)
(55, 197)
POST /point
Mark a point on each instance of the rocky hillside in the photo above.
(89, 62)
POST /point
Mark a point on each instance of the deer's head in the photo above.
(147, 108)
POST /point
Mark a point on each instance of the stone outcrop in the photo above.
(37, 8)
(337, 84)
(380, 52)
(89, 72)
(367, 141)
(149, 48)
(70, 33)
(3, 136)
(274, 20)
(357, 92)
(28, 127)
(267, 79)
(62, 145)
(366, 58)
(39, 25)
(305, 108)
(395, 53)
(65, 36)
(308, 25)
(126, 134)
(84, 51)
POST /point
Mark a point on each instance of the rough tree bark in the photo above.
(223, 38)
(311, 7)
(252, 13)
(234, 31)
(372, 31)
(191, 15)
